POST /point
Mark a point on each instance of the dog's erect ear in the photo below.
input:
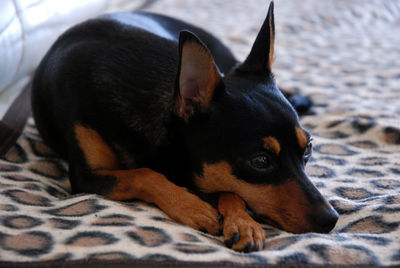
(197, 77)
(261, 56)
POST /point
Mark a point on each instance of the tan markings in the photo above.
(46, 168)
(301, 137)
(112, 221)
(78, 209)
(32, 199)
(149, 238)
(236, 220)
(153, 187)
(25, 241)
(87, 241)
(97, 153)
(272, 144)
(229, 204)
(137, 183)
(285, 203)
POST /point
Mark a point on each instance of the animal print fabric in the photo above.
(343, 54)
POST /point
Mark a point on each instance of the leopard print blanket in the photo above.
(343, 54)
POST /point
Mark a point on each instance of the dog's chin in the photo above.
(261, 218)
(264, 219)
(291, 229)
(269, 221)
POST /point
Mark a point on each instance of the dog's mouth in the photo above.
(269, 221)
(261, 218)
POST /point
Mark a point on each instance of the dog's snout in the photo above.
(324, 220)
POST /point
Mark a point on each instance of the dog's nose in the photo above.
(325, 220)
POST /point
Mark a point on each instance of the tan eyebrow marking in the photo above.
(272, 144)
(302, 137)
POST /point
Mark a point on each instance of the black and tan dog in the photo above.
(142, 109)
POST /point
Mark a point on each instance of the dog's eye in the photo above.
(308, 152)
(261, 161)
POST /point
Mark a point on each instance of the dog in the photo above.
(144, 106)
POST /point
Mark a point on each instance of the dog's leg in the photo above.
(98, 172)
(175, 201)
(240, 231)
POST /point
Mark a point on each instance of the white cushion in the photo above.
(29, 27)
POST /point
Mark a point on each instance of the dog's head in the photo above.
(245, 137)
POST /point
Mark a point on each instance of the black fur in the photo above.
(121, 80)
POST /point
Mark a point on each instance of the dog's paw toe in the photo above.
(242, 233)
(232, 240)
(206, 220)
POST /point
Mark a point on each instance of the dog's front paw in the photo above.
(242, 233)
(190, 210)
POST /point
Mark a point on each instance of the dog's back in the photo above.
(136, 51)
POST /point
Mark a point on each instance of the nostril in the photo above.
(326, 221)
